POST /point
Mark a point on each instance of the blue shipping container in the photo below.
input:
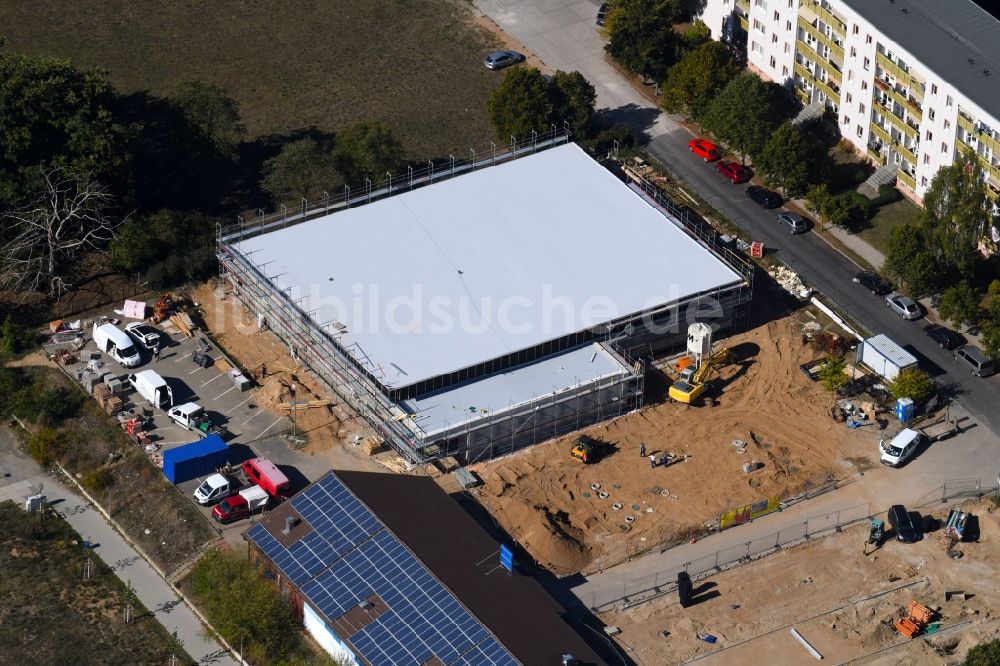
(195, 459)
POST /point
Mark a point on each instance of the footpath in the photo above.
(21, 477)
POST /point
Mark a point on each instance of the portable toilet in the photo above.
(904, 410)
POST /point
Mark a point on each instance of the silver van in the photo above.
(972, 357)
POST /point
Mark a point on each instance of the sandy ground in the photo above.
(549, 503)
(823, 590)
(331, 430)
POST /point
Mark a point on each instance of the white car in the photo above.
(146, 335)
(903, 306)
(900, 448)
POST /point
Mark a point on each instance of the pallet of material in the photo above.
(113, 405)
(306, 405)
(102, 392)
(183, 323)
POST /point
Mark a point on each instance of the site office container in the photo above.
(195, 459)
(264, 473)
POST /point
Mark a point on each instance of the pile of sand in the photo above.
(764, 401)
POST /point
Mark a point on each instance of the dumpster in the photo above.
(195, 459)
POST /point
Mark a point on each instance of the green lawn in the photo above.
(886, 219)
(416, 66)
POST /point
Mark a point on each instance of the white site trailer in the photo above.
(884, 356)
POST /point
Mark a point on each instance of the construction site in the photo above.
(468, 312)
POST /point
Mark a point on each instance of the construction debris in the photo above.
(917, 618)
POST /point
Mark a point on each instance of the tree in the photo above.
(785, 159)
(696, 79)
(209, 107)
(521, 104)
(742, 115)
(956, 211)
(991, 330)
(641, 36)
(909, 259)
(960, 305)
(573, 98)
(301, 170)
(912, 383)
(53, 115)
(167, 247)
(987, 654)
(367, 150)
(832, 375)
(65, 219)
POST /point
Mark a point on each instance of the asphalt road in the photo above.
(826, 270)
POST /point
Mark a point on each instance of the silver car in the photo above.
(903, 306)
(501, 59)
(796, 223)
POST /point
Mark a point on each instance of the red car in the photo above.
(733, 171)
(706, 150)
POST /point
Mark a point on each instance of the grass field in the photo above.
(51, 615)
(416, 66)
(886, 219)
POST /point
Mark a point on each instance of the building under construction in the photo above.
(474, 308)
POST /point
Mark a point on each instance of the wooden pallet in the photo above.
(183, 323)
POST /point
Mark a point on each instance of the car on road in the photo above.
(602, 14)
(796, 223)
(975, 360)
(873, 282)
(706, 150)
(906, 528)
(501, 59)
(945, 337)
(144, 334)
(763, 197)
(903, 306)
(734, 171)
(900, 448)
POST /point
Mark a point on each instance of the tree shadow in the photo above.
(639, 117)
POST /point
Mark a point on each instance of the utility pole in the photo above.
(295, 408)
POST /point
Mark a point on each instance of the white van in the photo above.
(117, 344)
(153, 388)
(896, 451)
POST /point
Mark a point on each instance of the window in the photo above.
(929, 135)
(947, 124)
(784, 72)
(861, 108)
(861, 131)
(930, 114)
(774, 38)
(848, 98)
(788, 26)
(944, 147)
(850, 75)
(934, 89)
(947, 101)
(788, 48)
(847, 120)
(868, 64)
(759, 27)
(854, 52)
(855, 29)
(773, 63)
(923, 181)
(927, 158)
(868, 39)
(777, 17)
(864, 85)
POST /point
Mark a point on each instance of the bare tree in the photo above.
(67, 218)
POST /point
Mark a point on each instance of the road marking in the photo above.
(213, 379)
(195, 370)
(224, 393)
(181, 358)
(241, 404)
(250, 417)
(276, 422)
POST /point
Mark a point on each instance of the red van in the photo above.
(266, 474)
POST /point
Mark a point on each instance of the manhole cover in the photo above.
(630, 519)
(595, 486)
(586, 494)
(624, 527)
(617, 506)
(665, 492)
(635, 507)
(603, 495)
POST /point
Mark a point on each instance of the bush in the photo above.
(604, 141)
(97, 480)
(994, 288)
(987, 654)
(912, 383)
(832, 375)
(46, 446)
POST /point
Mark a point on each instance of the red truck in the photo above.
(266, 474)
(241, 505)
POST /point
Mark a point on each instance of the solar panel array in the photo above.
(348, 556)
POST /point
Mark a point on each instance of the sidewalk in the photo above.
(26, 477)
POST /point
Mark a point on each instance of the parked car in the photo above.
(796, 223)
(945, 337)
(873, 282)
(241, 505)
(975, 360)
(706, 150)
(907, 530)
(264, 473)
(144, 334)
(903, 306)
(501, 59)
(215, 488)
(763, 197)
(734, 171)
(602, 14)
(117, 344)
(899, 449)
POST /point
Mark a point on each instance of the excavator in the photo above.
(585, 450)
(693, 381)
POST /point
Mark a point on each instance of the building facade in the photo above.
(911, 82)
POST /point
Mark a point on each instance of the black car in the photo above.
(906, 528)
(602, 13)
(873, 282)
(945, 337)
(763, 197)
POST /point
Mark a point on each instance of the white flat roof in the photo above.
(473, 268)
(497, 393)
(888, 348)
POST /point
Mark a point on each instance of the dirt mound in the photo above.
(555, 541)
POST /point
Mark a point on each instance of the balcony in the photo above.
(835, 49)
(744, 23)
(910, 155)
(802, 95)
(966, 123)
(826, 16)
(902, 126)
(907, 179)
(876, 155)
(803, 71)
(744, 5)
(831, 89)
(882, 134)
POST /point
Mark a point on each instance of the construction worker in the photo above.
(652, 461)
(156, 354)
(642, 449)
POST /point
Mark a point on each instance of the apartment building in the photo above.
(911, 82)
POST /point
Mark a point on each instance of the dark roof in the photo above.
(944, 35)
(456, 551)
